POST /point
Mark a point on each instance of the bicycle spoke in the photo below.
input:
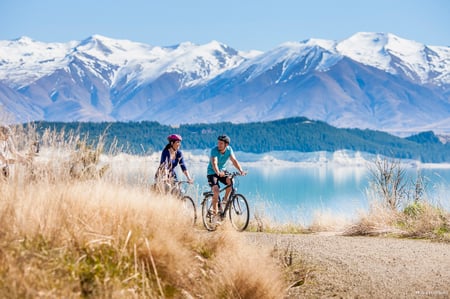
(237, 206)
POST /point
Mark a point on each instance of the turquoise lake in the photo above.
(297, 194)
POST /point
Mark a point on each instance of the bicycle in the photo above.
(176, 189)
(236, 206)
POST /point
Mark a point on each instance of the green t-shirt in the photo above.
(222, 159)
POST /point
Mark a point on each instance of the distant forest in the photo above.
(293, 134)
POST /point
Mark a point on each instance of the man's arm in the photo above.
(215, 166)
(237, 165)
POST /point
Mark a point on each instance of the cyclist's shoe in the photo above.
(216, 220)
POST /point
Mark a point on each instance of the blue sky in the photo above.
(241, 24)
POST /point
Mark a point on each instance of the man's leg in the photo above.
(213, 182)
(215, 199)
(228, 190)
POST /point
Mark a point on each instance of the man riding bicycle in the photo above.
(216, 172)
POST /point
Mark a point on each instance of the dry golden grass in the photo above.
(377, 220)
(417, 220)
(66, 236)
(423, 220)
(400, 206)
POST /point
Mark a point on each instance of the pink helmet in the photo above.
(174, 137)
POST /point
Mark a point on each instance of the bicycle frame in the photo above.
(177, 187)
(232, 193)
(168, 186)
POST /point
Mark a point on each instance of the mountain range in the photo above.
(371, 80)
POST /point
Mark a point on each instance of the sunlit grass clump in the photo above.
(400, 207)
(93, 238)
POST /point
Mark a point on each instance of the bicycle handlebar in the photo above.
(233, 174)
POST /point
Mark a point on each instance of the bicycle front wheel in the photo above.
(239, 212)
(207, 214)
(188, 208)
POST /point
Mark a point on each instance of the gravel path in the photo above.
(365, 267)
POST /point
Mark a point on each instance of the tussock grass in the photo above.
(379, 219)
(422, 220)
(417, 220)
(400, 207)
(261, 223)
(91, 238)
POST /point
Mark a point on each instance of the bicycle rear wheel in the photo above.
(239, 212)
(207, 215)
(188, 208)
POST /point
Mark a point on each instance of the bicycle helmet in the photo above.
(174, 137)
(224, 138)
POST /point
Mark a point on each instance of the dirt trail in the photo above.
(366, 267)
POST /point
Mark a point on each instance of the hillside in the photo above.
(291, 134)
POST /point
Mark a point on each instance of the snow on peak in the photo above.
(112, 50)
(394, 54)
(196, 63)
(317, 53)
(384, 51)
(203, 62)
(328, 45)
(24, 60)
(367, 48)
(23, 40)
(183, 46)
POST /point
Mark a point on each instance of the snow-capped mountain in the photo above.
(370, 80)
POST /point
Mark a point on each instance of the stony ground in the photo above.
(363, 267)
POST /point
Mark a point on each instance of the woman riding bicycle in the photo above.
(216, 172)
(171, 157)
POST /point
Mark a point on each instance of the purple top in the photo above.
(171, 164)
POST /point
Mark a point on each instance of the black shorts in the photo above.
(214, 179)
